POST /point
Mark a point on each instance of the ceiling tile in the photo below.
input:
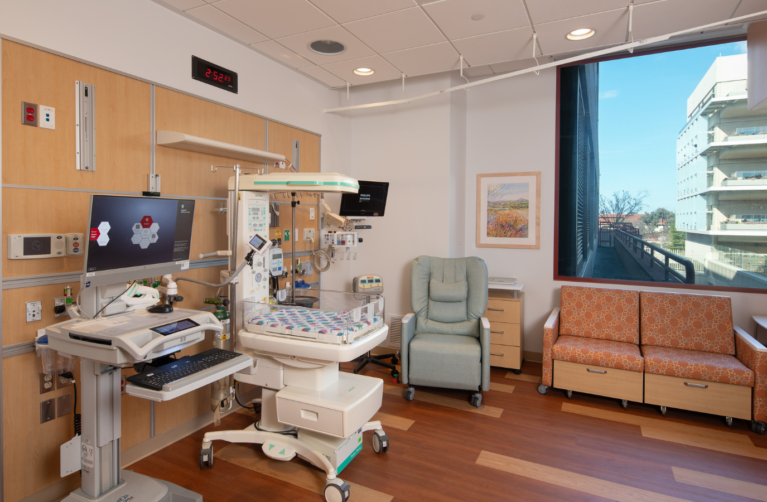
(344, 11)
(747, 7)
(281, 54)
(496, 47)
(478, 71)
(519, 64)
(610, 27)
(403, 29)
(546, 11)
(662, 18)
(427, 59)
(454, 16)
(345, 70)
(184, 4)
(227, 25)
(324, 76)
(276, 19)
(300, 44)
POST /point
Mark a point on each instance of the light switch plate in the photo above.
(46, 117)
(34, 311)
(47, 410)
(311, 213)
(63, 405)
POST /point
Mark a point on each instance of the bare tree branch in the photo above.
(621, 206)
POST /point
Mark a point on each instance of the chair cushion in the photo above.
(603, 353)
(606, 314)
(682, 321)
(451, 361)
(697, 365)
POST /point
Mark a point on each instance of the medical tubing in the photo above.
(225, 283)
(323, 254)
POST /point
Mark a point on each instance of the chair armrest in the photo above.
(753, 355)
(550, 335)
(408, 332)
(484, 342)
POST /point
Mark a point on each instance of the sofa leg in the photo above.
(663, 410)
(543, 388)
(758, 427)
(569, 394)
(728, 420)
(624, 403)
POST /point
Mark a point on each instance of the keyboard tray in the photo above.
(237, 364)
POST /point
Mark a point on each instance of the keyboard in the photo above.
(186, 370)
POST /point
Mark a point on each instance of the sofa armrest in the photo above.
(484, 342)
(408, 332)
(550, 335)
(753, 355)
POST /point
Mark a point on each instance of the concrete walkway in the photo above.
(609, 266)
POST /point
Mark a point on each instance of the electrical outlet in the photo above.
(308, 234)
(123, 383)
(34, 311)
(29, 114)
(47, 383)
(62, 382)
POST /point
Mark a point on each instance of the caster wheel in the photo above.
(380, 442)
(569, 394)
(624, 404)
(663, 410)
(410, 393)
(728, 420)
(476, 400)
(394, 360)
(517, 372)
(542, 389)
(206, 457)
(395, 374)
(336, 491)
(758, 427)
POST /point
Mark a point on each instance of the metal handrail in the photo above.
(637, 243)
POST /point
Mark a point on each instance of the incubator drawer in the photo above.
(309, 416)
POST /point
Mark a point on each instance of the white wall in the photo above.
(143, 39)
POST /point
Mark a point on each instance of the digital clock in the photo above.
(214, 75)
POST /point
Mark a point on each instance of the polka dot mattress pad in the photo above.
(319, 322)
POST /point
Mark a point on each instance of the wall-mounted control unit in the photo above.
(33, 246)
(85, 126)
(276, 264)
(341, 239)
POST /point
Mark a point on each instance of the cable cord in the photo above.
(322, 254)
(237, 398)
(290, 432)
(78, 419)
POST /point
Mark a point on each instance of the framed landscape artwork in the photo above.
(508, 210)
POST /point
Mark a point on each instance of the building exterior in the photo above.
(722, 178)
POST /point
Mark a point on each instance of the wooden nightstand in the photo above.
(505, 311)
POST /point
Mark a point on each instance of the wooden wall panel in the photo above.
(281, 141)
(36, 156)
(16, 329)
(209, 228)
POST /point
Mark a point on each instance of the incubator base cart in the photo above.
(309, 408)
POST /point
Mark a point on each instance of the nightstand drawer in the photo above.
(505, 356)
(502, 311)
(502, 333)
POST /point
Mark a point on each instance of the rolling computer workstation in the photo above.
(308, 408)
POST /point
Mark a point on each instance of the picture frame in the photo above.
(509, 210)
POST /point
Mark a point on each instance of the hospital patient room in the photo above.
(383, 250)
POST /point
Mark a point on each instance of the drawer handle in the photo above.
(696, 385)
(601, 372)
(496, 310)
(497, 332)
(496, 354)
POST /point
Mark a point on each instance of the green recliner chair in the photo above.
(446, 342)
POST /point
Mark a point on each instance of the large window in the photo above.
(662, 171)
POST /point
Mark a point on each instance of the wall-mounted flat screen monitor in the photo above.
(369, 202)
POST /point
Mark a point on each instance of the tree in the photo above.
(658, 217)
(677, 237)
(621, 206)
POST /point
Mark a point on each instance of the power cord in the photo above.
(77, 417)
(237, 398)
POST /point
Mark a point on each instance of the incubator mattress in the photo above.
(331, 327)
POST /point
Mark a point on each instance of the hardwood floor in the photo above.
(538, 448)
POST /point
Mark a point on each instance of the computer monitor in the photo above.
(370, 201)
(133, 237)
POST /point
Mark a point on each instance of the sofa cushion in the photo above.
(603, 353)
(607, 314)
(452, 361)
(696, 365)
(682, 321)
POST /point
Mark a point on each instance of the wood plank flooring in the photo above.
(588, 449)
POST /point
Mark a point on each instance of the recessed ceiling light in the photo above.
(327, 47)
(581, 34)
(364, 72)
(478, 16)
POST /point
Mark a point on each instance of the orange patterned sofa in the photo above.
(692, 357)
(695, 359)
(591, 344)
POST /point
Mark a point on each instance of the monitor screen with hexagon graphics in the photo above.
(131, 232)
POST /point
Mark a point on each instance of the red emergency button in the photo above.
(76, 245)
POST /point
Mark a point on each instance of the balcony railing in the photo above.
(744, 183)
(644, 248)
(742, 226)
(746, 260)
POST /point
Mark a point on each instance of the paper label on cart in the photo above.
(90, 274)
(184, 264)
(88, 454)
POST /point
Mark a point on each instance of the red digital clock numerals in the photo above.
(217, 76)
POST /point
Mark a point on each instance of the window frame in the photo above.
(643, 284)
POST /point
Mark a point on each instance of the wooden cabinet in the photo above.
(505, 311)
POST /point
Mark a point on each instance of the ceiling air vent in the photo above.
(327, 47)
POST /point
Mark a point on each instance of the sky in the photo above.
(642, 109)
(505, 192)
